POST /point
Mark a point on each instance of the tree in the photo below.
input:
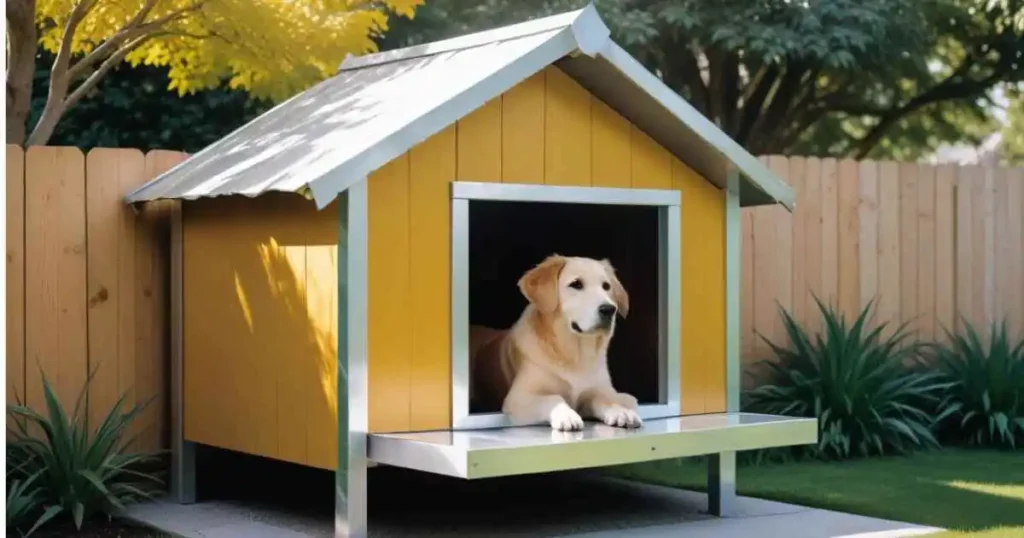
(269, 48)
(861, 78)
(1011, 147)
(131, 108)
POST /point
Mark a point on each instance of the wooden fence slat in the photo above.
(15, 274)
(811, 221)
(889, 241)
(782, 253)
(945, 249)
(798, 235)
(964, 249)
(1017, 199)
(983, 253)
(55, 257)
(747, 298)
(848, 239)
(829, 291)
(1006, 247)
(867, 220)
(926, 252)
(109, 243)
(908, 173)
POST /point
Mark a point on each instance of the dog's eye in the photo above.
(576, 284)
(606, 286)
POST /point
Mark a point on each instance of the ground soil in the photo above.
(98, 529)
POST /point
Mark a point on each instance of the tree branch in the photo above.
(134, 28)
(103, 69)
(951, 88)
(753, 106)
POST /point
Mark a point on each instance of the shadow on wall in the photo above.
(263, 327)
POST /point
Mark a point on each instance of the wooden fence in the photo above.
(928, 244)
(87, 277)
(87, 282)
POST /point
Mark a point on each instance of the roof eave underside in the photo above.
(584, 50)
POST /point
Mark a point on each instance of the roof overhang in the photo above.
(579, 43)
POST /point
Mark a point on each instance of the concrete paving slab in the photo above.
(406, 504)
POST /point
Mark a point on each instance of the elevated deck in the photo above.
(489, 453)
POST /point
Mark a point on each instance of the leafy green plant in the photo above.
(985, 403)
(78, 472)
(24, 502)
(856, 381)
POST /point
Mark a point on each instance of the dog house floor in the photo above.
(496, 452)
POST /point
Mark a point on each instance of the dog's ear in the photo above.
(540, 284)
(619, 294)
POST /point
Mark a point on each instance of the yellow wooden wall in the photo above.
(260, 318)
(546, 130)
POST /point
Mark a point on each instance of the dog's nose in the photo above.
(606, 310)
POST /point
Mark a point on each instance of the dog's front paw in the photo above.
(564, 418)
(621, 417)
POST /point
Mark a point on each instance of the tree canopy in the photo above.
(862, 78)
(268, 48)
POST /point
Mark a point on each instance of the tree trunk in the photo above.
(22, 36)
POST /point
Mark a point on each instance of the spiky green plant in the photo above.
(79, 472)
(856, 381)
(24, 504)
(984, 405)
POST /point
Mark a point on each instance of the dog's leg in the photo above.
(613, 408)
(523, 407)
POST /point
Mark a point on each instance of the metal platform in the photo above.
(489, 453)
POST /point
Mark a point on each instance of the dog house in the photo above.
(330, 256)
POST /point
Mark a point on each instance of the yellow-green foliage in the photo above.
(270, 48)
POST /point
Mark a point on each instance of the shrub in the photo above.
(985, 403)
(78, 473)
(856, 382)
(24, 503)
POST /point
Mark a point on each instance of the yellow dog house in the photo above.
(329, 256)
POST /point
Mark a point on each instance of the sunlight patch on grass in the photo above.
(1009, 491)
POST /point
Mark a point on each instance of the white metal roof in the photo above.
(379, 106)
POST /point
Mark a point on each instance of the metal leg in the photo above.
(350, 476)
(183, 453)
(721, 483)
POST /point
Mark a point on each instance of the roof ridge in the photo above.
(465, 41)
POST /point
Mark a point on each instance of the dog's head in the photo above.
(584, 292)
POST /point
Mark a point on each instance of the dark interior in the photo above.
(506, 239)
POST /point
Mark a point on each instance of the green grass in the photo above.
(977, 491)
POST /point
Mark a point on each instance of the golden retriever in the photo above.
(551, 365)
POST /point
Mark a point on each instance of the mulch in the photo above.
(98, 529)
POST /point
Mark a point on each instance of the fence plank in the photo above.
(798, 237)
(849, 238)
(1006, 248)
(1017, 199)
(110, 282)
(15, 274)
(945, 249)
(811, 221)
(908, 173)
(964, 250)
(926, 252)
(55, 301)
(782, 253)
(867, 221)
(889, 244)
(983, 254)
(829, 291)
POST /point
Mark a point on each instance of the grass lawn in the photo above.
(977, 493)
